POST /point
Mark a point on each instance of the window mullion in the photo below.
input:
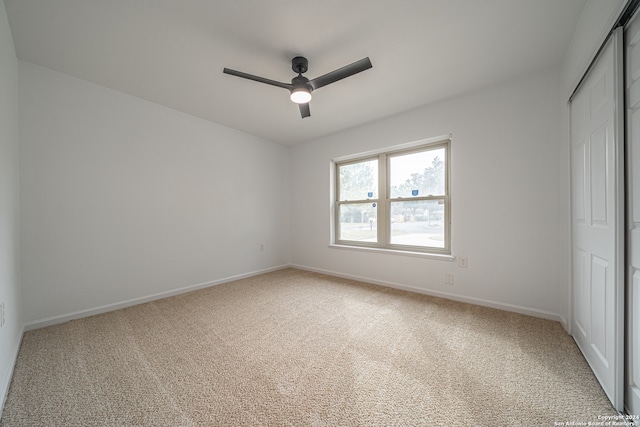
(410, 199)
(383, 208)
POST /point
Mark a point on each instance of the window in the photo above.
(395, 200)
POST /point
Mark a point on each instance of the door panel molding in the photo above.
(598, 218)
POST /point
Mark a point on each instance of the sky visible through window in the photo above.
(403, 166)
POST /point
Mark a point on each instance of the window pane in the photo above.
(359, 181)
(418, 223)
(358, 221)
(418, 174)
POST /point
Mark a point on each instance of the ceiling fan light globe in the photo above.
(300, 96)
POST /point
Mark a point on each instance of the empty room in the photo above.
(296, 213)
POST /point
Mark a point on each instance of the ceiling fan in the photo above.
(300, 86)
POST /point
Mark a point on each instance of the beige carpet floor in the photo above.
(294, 348)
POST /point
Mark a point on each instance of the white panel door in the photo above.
(632, 83)
(597, 188)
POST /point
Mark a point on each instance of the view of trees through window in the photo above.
(359, 182)
(413, 201)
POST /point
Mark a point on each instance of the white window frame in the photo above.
(383, 200)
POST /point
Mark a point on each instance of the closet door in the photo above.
(632, 82)
(597, 187)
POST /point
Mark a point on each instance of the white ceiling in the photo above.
(172, 52)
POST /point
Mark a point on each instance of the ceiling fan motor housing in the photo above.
(301, 81)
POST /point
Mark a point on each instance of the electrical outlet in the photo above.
(261, 247)
(463, 262)
(448, 279)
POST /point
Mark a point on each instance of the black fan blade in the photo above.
(256, 78)
(304, 110)
(341, 73)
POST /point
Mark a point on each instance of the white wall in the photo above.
(509, 198)
(11, 331)
(125, 199)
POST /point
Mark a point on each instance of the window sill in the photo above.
(427, 255)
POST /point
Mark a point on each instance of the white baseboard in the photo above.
(529, 311)
(4, 387)
(135, 301)
(565, 324)
(128, 303)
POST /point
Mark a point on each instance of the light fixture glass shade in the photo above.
(300, 95)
